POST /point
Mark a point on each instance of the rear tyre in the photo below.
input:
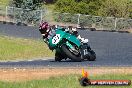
(70, 54)
(58, 57)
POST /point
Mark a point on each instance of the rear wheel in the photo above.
(58, 56)
(73, 57)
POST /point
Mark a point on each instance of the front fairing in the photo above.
(63, 35)
(59, 34)
(72, 39)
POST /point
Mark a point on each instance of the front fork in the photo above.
(85, 48)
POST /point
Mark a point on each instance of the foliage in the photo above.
(82, 8)
(93, 6)
(65, 6)
(78, 6)
(27, 4)
(116, 8)
(28, 12)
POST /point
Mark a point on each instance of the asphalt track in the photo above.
(112, 49)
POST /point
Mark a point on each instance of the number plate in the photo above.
(56, 39)
(85, 52)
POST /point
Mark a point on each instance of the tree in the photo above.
(82, 8)
(130, 9)
(89, 7)
(27, 4)
(28, 10)
(116, 8)
(94, 6)
(67, 6)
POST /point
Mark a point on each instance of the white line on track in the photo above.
(45, 58)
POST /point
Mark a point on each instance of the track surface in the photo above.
(112, 49)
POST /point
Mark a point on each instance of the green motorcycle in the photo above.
(69, 46)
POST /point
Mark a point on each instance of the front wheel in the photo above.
(70, 55)
(92, 56)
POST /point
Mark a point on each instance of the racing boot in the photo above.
(82, 39)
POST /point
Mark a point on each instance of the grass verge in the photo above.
(69, 81)
(18, 48)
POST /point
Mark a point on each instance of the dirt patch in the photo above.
(4, 18)
(130, 30)
(44, 73)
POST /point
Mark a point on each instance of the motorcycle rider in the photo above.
(48, 31)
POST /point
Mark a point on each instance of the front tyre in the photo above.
(70, 54)
(92, 56)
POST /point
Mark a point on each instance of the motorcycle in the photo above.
(69, 46)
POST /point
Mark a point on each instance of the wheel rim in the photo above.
(75, 50)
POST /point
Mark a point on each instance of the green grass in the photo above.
(18, 48)
(63, 82)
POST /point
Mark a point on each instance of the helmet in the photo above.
(43, 27)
